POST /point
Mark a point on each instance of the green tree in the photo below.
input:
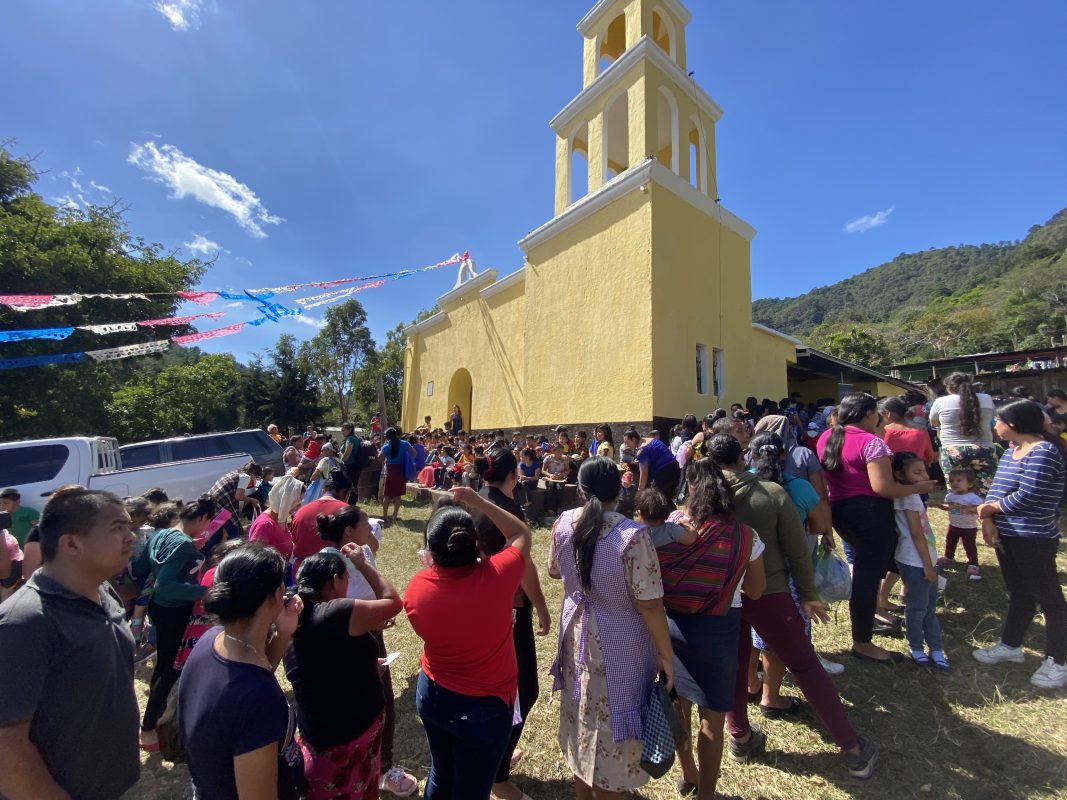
(388, 363)
(256, 394)
(47, 250)
(853, 342)
(336, 354)
(193, 398)
(294, 397)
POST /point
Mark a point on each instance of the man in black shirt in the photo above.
(68, 713)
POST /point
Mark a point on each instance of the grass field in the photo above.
(980, 732)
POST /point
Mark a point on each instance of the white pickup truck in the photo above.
(39, 466)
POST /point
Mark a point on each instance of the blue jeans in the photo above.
(467, 738)
(920, 609)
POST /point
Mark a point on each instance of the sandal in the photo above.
(754, 697)
(686, 789)
(920, 658)
(940, 661)
(894, 657)
(771, 712)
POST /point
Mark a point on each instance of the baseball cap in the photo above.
(10, 493)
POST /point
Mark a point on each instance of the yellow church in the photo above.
(634, 304)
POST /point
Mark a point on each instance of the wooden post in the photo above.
(381, 404)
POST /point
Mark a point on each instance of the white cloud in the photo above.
(182, 15)
(78, 197)
(188, 178)
(66, 201)
(865, 223)
(203, 245)
(310, 320)
(235, 304)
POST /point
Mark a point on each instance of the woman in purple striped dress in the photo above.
(612, 636)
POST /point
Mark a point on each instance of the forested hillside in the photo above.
(940, 302)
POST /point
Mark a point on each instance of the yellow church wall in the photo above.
(766, 369)
(696, 275)
(588, 319)
(484, 337)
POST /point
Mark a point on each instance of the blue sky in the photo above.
(326, 139)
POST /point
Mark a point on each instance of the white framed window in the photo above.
(717, 372)
(702, 369)
(429, 388)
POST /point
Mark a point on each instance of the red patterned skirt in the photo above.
(349, 771)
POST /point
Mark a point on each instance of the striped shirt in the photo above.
(1029, 492)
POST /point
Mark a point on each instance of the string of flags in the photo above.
(114, 327)
(33, 302)
(261, 298)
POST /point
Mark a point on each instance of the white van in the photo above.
(38, 467)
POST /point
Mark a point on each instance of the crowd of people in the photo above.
(687, 560)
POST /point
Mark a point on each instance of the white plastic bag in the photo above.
(832, 578)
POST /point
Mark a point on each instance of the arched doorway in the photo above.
(460, 393)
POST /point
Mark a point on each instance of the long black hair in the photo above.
(710, 495)
(1027, 417)
(451, 537)
(599, 482)
(766, 451)
(497, 464)
(244, 580)
(604, 428)
(852, 410)
(315, 572)
(959, 383)
(332, 527)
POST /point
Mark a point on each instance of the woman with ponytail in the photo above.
(1019, 520)
(332, 664)
(499, 470)
(173, 557)
(235, 722)
(613, 638)
(702, 584)
(351, 525)
(861, 489)
(964, 421)
(395, 455)
(461, 608)
(773, 615)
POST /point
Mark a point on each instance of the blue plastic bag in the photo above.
(832, 578)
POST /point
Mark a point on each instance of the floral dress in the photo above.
(585, 735)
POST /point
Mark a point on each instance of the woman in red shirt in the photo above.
(461, 607)
(901, 436)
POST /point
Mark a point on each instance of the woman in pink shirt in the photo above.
(272, 526)
(859, 481)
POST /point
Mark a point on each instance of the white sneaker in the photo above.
(831, 667)
(1050, 675)
(998, 654)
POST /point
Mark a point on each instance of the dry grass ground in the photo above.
(980, 732)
